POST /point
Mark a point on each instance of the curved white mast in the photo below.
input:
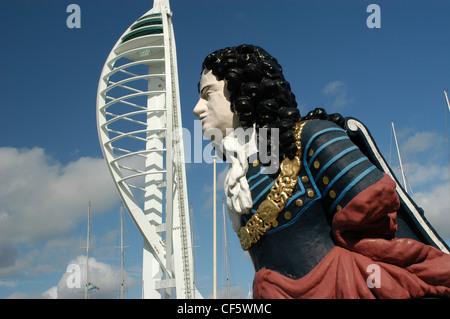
(138, 120)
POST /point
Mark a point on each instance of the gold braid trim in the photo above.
(267, 213)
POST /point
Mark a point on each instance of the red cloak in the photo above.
(364, 264)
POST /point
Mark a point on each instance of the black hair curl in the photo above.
(320, 114)
(260, 94)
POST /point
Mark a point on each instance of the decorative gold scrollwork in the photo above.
(282, 189)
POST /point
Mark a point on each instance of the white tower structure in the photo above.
(139, 127)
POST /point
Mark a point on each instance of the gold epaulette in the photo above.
(280, 193)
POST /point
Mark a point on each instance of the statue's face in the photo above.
(213, 108)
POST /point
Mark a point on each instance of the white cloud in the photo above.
(427, 173)
(235, 292)
(338, 92)
(7, 283)
(420, 142)
(52, 293)
(422, 175)
(436, 203)
(42, 200)
(104, 276)
(333, 87)
(424, 160)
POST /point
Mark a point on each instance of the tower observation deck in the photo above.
(139, 127)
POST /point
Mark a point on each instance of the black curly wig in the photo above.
(259, 93)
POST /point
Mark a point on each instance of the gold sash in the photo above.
(267, 213)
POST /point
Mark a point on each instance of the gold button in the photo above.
(288, 215)
(305, 179)
(325, 180)
(311, 152)
(332, 194)
(338, 207)
(311, 193)
(255, 163)
(316, 164)
(275, 223)
(299, 202)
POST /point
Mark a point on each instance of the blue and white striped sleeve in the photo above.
(335, 164)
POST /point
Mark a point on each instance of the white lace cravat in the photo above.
(237, 192)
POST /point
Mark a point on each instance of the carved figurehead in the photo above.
(307, 200)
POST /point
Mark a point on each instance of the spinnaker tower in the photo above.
(139, 127)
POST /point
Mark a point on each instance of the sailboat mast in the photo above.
(191, 218)
(86, 291)
(214, 234)
(226, 248)
(399, 158)
(446, 127)
(446, 98)
(122, 268)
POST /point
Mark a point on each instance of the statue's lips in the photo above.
(202, 117)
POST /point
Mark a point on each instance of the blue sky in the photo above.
(51, 163)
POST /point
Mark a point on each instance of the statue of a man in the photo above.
(323, 223)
